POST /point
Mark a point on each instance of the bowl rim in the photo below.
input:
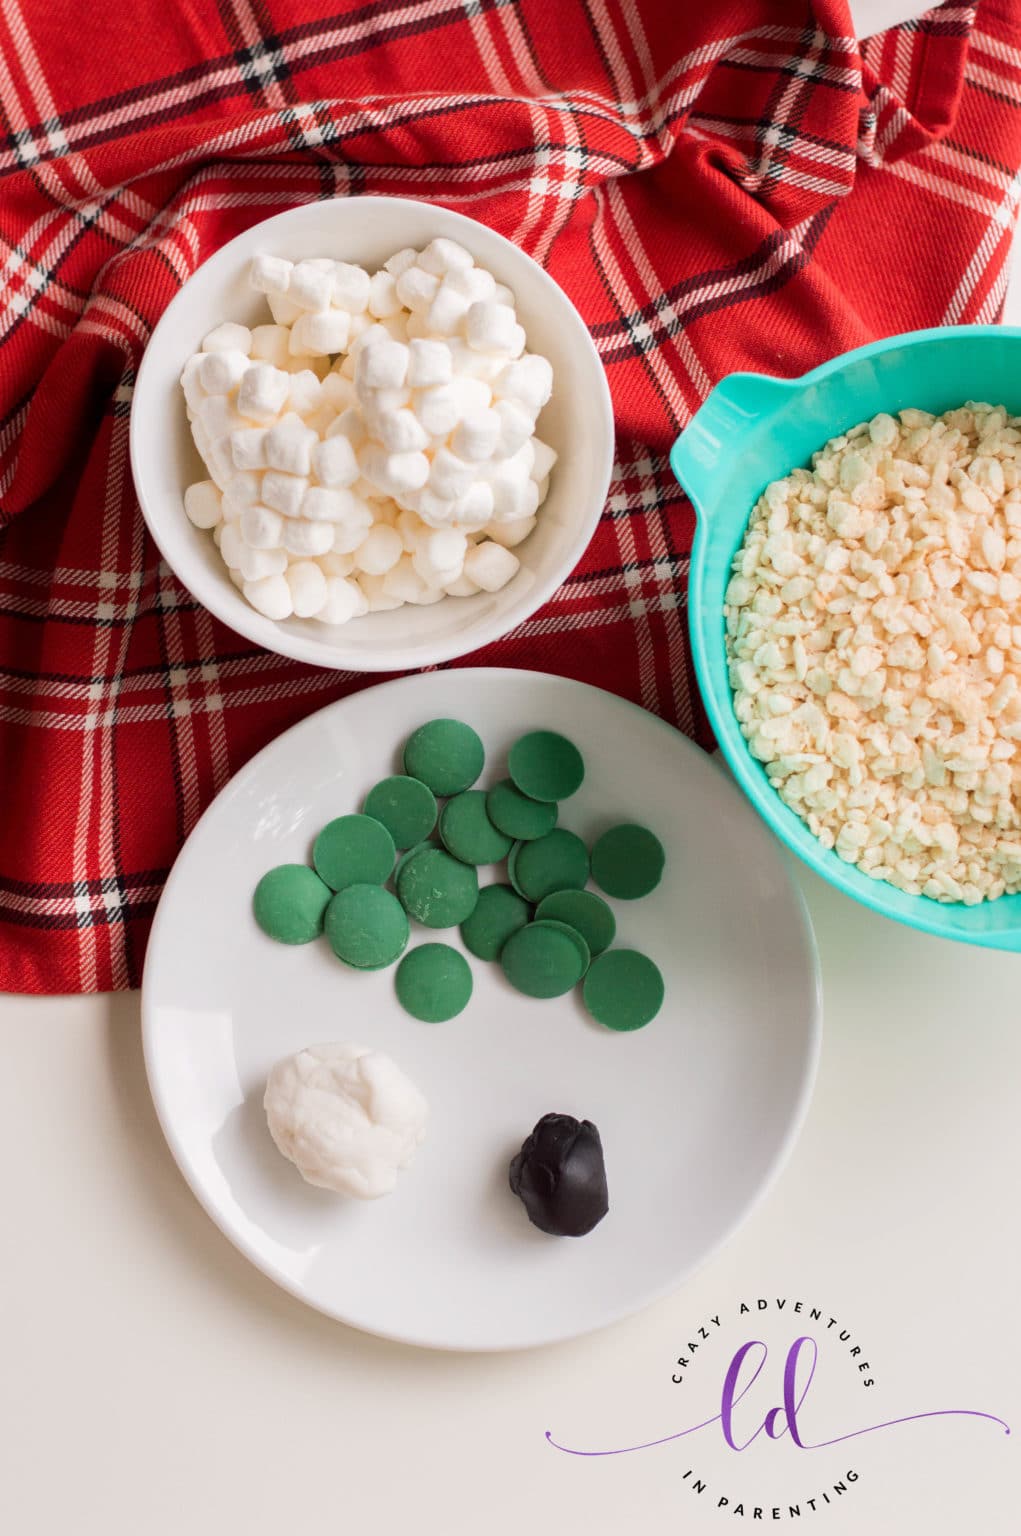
(925, 916)
(225, 603)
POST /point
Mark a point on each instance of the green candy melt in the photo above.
(623, 989)
(468, 833)
(434, 983)
(367, 927)
(543, 960)
(627, 861)
(557, 862)
(354, 850)
(437, 889)
(583, 911)
(546, 766)
(517, 815)
(447, 755)
(406, 807)
(289, 903)
(498, 913)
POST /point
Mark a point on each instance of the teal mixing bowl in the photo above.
(753, 429)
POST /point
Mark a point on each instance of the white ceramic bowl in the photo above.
(578, 423)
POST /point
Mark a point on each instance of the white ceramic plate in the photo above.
(697, 1111)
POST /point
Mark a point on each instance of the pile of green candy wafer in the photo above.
(546, 930)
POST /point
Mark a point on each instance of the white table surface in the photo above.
(153, 1383)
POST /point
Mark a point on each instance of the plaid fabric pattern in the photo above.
(683, 172)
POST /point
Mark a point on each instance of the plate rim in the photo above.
(647, 1298)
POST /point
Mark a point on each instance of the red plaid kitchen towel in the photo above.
(717, 186)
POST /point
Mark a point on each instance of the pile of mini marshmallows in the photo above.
(375, 445)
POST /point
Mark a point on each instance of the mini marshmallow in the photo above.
(367, 335)
(417, 326)
(244, 489)
(351, 287)
(490, 327)
(441, 256)
(347, 537)
(449, 475)
(435, 511)
(284, 493)
(202, 504)
(447, 311)
(402, 432)
(403, 581)
(236, 577)
(337, 392)
(305, 395)
(516, 427)
(271, 597)
(528, 380)
(417, 289)
(440, 557)
(191, 381)
(271, 344)
(486, 366)
(542, 487)
(222, 371)
(289, 445)
(383, 300)
(429, 363)
(200, 437)
(358, 327)
(270, 274)
(380, 504)
(283, 308)
(382, 365)
(334, 462)
(513, 490)
(248, 447)
(336, 506)
(490, 566)
(543, 458)
(401, 261)
(474, 509)
(394, 473)
(229, 338)
(412, 530)
(437, 409)
(476, 436)
(343, 600)
(311, 287)
(511, 533)
(380, 550)
(262, 528)
(377, 600)
(470, 395)
(262, 392)
(462, 587)
(218, 416)
(220, 461)
(304, 538)
(502, 295)
(308, 588)
(232, 545)
(254, 564)
(320, 333)
(474, 283)
(336, 565)
(349, 424)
